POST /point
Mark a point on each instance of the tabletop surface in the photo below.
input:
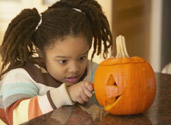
(91, 113)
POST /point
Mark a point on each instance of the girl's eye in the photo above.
(63, 61)
(82, 58)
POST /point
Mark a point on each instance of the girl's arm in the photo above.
(22, 101)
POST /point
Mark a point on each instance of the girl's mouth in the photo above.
(72, 79)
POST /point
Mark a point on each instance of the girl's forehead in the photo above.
(69, 40)
(70, 45)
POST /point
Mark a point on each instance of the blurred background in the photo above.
(146, 25)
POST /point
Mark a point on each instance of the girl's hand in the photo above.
(81, 91)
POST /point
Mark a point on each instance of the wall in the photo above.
(145, 25)
(166, 34)
(132, 20)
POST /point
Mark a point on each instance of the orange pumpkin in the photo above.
(124, 85)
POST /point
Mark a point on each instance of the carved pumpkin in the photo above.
(124, 85)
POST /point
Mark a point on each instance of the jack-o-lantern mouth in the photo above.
(109, 106)
(117, 97)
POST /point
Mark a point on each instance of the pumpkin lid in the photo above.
(116, 61)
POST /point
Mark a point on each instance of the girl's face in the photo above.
(67, 59)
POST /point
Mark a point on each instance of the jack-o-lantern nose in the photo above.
(112, 89)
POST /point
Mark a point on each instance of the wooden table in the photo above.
(91, 113)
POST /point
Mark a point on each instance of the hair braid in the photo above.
(16, 45)
(100, 27)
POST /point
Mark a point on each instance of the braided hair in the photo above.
(65, 17)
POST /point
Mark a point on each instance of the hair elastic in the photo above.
(78, 10)
(40, 22)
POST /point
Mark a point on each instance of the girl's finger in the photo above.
(87, 92)
(89, 86)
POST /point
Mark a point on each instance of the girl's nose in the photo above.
(73, 68)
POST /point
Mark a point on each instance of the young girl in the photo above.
(45, 58)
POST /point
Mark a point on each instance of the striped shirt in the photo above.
(30, 91)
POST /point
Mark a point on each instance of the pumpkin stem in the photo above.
(121, 47)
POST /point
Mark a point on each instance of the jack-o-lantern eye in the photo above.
(111, 81)
(112, 90)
